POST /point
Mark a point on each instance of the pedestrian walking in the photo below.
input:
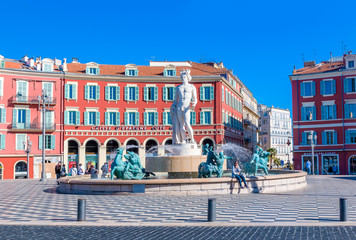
(308, 167)
(73, 170)
(105, 169)
(236, 173)
(63, 171)
(334, 169)
(57, 170)
(80, 169)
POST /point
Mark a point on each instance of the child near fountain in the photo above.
(236, 173)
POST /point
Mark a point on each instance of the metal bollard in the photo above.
(211, 209)
(82, 205)
(343, 210)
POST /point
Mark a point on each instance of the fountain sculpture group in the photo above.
(131, 169)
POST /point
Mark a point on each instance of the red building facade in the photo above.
(324, 100)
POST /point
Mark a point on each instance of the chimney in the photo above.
(30, 62)
(75, 60)
(38, 66)
(64, 66)
(57, 62)
(309, 64)
(24, 59)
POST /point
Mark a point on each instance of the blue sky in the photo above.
(260, 40)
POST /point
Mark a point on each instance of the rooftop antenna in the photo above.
(343, 47)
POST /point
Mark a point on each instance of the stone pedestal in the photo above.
(188, 149)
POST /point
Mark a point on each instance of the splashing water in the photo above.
(237, 153)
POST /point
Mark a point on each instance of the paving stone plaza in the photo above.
(34, 205)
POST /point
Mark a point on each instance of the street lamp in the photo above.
(27, 145)
(42, 103)
(311, 137)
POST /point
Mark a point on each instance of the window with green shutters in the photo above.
(167, 118)
(305, 138)
(327, 87)
(150, 118)
(131, 94)
(92, 71)
(112, 118)
(47, 87)
(169, 93)
(350, 85)
(308, 113)
(3, 115)
(329, 137)
(92, 118)
(71, 117)
(2, 141)
(50, 142)
(222, 94)
(21, 118)
(328, 112)
(70, 91)
(150, 93)
(307, 89)
(169, 72)
(2, 64)
(193, 118)
(206, 93)
(131, 72)
(132, 118)
(92, 92)
(350, 136)
(350, 110)
(205, 117)
(20, 139)
(112, 93)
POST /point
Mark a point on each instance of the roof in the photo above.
(319, 68)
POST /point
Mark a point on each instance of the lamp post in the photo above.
(42, 103)
(27, 145)
(311, 137)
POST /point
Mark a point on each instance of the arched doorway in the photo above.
(1, 170)
(21, 170)
(72, 154)
(91, 154)
(151, 148)
(166, 151)
(132, 145)
(352, 163)
(111, 147)
(208, 141)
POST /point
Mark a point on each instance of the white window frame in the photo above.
(23, 147)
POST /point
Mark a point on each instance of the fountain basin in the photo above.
(287, 180)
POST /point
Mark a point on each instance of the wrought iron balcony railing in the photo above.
(17, 99)
(33, 127)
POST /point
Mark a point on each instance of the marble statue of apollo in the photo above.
(186, 93)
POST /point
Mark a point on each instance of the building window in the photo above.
(2, 64)
(329, 137)
(207, 93)
(351, 64)
(70, 91)
(169, 93)
(350, 85)
(350, 110)
(112, 93)
(327, 87)
(167, 118)
(20, 139)
(328, 112)
(21, 118)
(72, 117)
(47, 67)
(2, 141)
(350, 136)
(150, 93)
(131, 94)
(50, 142)
(205, 117)
(112, 118)
(193, 118)
(307, 89)
(92, 92)
(306, 140)
(3, 115)
(170, 72)
(22, 91)
(92, 71)
(151, 118)
(131, 72)
(329, 163)
(132, 118)
(308, 113)
(92, 118)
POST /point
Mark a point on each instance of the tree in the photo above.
(277, 161)
(273, 153)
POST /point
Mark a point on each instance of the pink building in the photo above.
(324, 100)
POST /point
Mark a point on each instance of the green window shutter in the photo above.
(66, 91)
(302, 89)
(304, 138)
(314, 113)
(333, 84)
(97, 118)
(126, 115)
(194, 119)
(164, 72)
(145, 93)
(77, 118)
(335, 137)
(106, 118)
(334, 112)
(174, 72)
(156, 93)
(97, 92)
(202, 121)
(118, 118)
(322, 87)
(117, 93)
(313, 88)
(65, 117)
(28, 118)
(87, 71)
(74, 89)
(347, 110)
(2, 141)
(86, 118)
(164, 93)
(145, 118)
(164, 115)
(136, 72)
(303, 114)
(211, 93)
(126, 93)
(40, 142)
(156, 118)
(98, 71)
(3, 115)
(106, 92)
(348, 136)
(126, 72)
(137, 97)
(323, 136)
(53, 142)
(86, 92)
(323, 113)
(346, 85)
(137, 118)
(202, 93)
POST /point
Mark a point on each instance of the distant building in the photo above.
(324, 100)
(276, 131)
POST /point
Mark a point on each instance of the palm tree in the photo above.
(273, 152)
(277, 161)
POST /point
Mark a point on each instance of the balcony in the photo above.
(32, 127)
(31, 100)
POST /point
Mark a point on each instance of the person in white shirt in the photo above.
(236, 173)
(80, 169)
(74, 171)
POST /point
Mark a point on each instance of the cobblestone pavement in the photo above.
(241, 233)
(34, 202)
